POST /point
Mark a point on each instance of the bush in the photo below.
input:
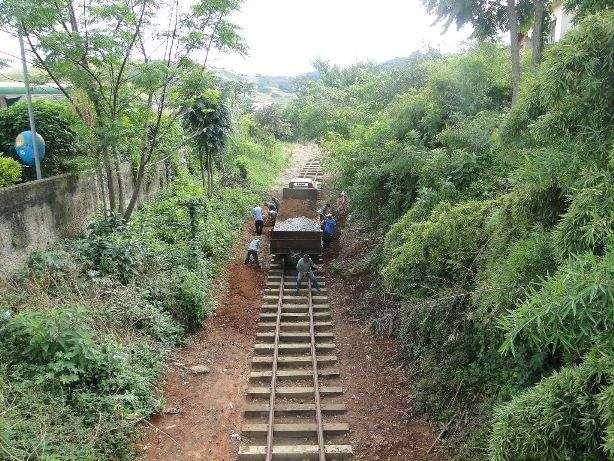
(10, 171)
(438, 251)
(57, 376)
(185, 294)
(569, 313)
(560, 418)
(66, 136)
(109, 249)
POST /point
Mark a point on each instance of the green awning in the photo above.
(18, 89)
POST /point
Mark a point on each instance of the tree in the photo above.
(101, 56)
(208, 119)
(488, 19)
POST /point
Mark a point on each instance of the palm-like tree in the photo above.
(208, 119)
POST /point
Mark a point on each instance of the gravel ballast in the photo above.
(300, 223)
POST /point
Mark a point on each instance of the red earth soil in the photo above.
(203, 414)
(203, 411)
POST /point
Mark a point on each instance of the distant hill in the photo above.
(264, 89)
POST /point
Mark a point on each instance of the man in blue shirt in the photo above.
(258, 219)
(328, 229)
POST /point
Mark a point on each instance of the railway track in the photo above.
(294, 408)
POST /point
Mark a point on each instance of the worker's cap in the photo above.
(343, 193)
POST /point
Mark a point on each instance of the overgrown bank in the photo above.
(85, 328)
(498, 225)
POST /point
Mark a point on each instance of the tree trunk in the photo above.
(110, 185)
(100, 179)
(134, 198)
(120, 185)
(514, 48)
(202, 170)
(209, 175)
(536, 37)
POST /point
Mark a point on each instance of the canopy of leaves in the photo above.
(499, 224)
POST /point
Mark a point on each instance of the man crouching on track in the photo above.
(305, 266)
(252, 251)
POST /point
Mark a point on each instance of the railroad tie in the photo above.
(294, 404)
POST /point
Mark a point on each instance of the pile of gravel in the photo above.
(300, 223)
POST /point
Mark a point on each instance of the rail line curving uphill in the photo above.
(294, 408)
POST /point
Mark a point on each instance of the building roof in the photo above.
(12, 88)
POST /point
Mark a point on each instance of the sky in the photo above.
(285, 36)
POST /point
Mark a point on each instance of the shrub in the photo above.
(69, 391)
(560, 418)
(10, 171)
(572, 309)
(509, 273)
(109, 249)
(588, 222)
(440, 250)
(65, 135)
(130, 311)
(185, 294)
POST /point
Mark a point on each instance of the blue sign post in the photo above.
(24, 147)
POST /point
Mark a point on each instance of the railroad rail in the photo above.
(294, 408)
(312, 169)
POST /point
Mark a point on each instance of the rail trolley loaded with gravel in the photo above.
(297, 228)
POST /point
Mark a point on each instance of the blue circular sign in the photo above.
(25, 148)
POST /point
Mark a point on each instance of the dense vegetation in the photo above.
(498, 224)
(85, 328)
(65, 135)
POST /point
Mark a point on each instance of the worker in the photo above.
(258, 219)
(322, 212)
(272, 206)
(305, 266)
(328, 229)
(272, 216)
(252, 251)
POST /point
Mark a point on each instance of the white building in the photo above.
(562, 21)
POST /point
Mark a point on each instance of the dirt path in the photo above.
(384, 423)
(203, 414)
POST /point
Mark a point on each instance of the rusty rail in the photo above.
(280, 302)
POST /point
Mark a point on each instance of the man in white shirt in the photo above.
(252, 251)
(258, 219)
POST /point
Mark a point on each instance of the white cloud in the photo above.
(285, 36)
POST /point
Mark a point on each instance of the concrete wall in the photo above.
(37, 213)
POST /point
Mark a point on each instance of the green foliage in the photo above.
(270, 120)
(110, 250)
(570, 312)
(563, 417)
(569, 98)
(186, 295)
(499, 225)
(589, 221)
(208, 119)
(10, 171)
(53, 364)
(438, 250)
(66, 136)
(85, 328)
